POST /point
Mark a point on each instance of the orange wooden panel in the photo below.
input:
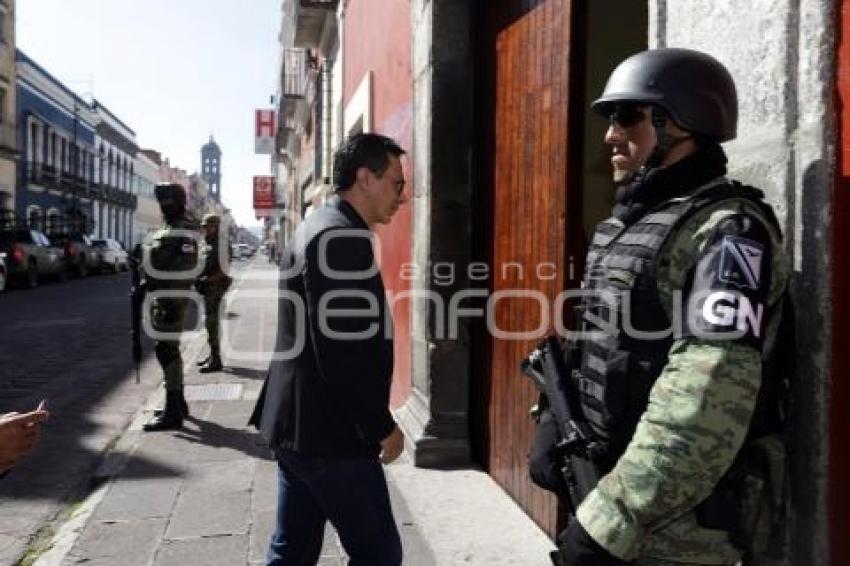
(523, 54)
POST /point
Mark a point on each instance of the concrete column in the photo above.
(436, 417)
(95, 218)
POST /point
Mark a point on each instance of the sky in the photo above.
(174, 71)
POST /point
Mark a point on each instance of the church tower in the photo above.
(211, 168)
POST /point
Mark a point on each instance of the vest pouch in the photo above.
(762, 515)
(750, 500)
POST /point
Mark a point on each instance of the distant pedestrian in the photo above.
(170, 256)
(213, 284)
(325, 412)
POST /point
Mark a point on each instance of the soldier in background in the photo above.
(683, 299)
(170, 255)
(213, 284)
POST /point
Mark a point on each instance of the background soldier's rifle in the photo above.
(137, 299)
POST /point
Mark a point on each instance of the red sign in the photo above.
(264, 196)
(265, 128)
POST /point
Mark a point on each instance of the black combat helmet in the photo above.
(170, 191)
(695, 90)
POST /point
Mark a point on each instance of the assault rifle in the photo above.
(137, 299)
(551, 369)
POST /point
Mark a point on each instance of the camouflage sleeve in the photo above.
(700, 406)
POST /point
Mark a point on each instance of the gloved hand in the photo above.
(579, 549)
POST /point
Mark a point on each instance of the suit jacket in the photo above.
(327, 391)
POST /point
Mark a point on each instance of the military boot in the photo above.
(171, 418)
(214, 363)
(184, 407)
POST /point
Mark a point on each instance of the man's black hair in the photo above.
(362, 150)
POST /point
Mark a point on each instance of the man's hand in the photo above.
(18, 436)
(392, 446)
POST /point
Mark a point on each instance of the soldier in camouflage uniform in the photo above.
(684, 285)
(213, 284)
(170, 261)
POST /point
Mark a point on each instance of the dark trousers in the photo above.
(350, 493)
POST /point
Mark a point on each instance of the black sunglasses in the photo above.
(626, 115)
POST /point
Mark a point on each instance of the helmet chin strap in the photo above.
(664, 141)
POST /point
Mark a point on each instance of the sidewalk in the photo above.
(206, 495)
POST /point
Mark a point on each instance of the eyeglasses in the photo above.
(626, 115)
(399, 187)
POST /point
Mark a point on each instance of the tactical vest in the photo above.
(171, 249)
(621, 285)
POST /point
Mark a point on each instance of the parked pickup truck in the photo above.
(30, 256)
(81, 258)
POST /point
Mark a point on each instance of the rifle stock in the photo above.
(137, 300)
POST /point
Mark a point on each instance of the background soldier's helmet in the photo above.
(695, 90)
(170, 192)
(210, 219)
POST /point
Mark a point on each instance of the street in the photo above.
(98, 490)
(69, 343)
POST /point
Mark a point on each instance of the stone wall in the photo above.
(782, 54)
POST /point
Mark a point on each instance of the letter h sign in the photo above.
(265, 130)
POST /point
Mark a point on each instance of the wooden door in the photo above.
(527, 215)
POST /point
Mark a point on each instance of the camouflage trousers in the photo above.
(167, 316)
(213, 296)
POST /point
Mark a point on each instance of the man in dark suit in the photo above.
(324, 408)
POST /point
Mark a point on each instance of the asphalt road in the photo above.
(68, 343)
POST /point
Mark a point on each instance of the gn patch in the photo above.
(741, 262)
(727, 294)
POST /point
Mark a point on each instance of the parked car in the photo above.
(30, 255)
(245, 250)
(4, 275)
(81, 257)
(112, 256)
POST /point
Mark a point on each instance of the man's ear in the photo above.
(362, 176)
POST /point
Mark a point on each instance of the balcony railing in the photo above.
(53, 178)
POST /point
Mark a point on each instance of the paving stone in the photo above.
(217, 443)
(264, 497)
(149, 463)
(221, 477)
(262, 527)
(166, 441)
(209, 551)
(128, 500)
(203, 513)
(127, 543)
(233, 414)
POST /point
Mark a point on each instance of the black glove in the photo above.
(579, 549)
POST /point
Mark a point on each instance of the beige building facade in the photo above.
(8, 142)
